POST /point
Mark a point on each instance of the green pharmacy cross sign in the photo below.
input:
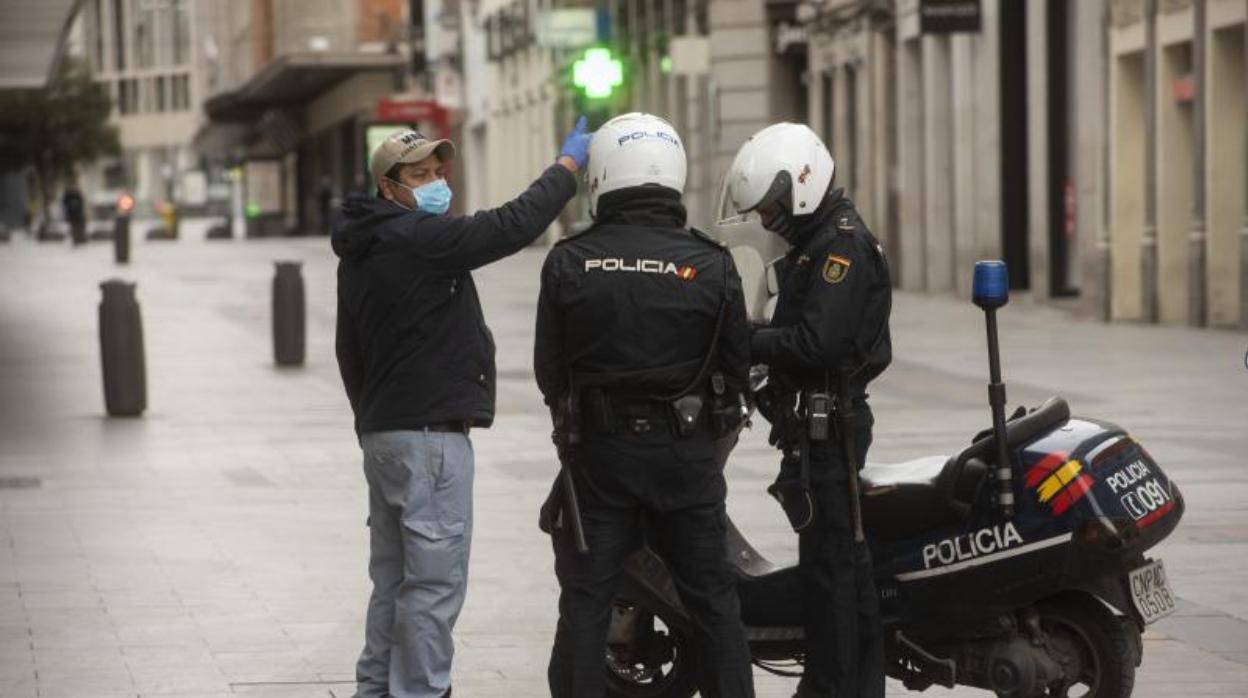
(598, 73)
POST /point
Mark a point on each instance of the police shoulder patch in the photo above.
(836, 268)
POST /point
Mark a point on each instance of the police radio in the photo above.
(818, 409)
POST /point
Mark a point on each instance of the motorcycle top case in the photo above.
(1088, 498)
(1099, 484)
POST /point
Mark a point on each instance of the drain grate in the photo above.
(20, 483)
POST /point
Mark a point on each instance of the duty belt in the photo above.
(605, 414)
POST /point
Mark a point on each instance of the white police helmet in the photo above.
(632, 150)
(784, 162)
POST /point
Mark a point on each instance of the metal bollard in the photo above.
(121, 350)
(121, 238)
(289, 334)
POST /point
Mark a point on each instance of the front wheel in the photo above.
(647, 657)
(1097, 649)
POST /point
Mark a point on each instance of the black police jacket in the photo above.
(633, 301)
(413, 347)
(834, 304)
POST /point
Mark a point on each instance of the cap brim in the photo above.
(443, 148)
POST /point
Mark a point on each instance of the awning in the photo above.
(293, 80)
(32, 40)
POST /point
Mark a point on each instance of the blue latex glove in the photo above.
(576, 145)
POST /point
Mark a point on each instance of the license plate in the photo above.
(1150, 591)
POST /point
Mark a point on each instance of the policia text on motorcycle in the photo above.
(827, 340)
(418, 365)
(642, 353)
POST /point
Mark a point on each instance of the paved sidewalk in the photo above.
(217, 547)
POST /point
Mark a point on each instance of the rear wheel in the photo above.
(647, 657)
(1097, 649)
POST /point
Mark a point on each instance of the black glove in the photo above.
(777, 406)
(793, 494)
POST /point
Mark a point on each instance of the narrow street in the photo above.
(217, 545)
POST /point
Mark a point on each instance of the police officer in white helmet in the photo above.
(827, 339)
(642, 351)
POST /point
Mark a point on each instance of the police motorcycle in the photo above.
(1025, 580)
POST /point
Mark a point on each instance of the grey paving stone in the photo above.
(218, 545)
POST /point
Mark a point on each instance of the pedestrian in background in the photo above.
(75, 210)
(417, 361)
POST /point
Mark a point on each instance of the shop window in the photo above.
(181, 32)
(181, 92)
(99, 55)
(127, 96)
(119, 35)
(144, 34)
(161, 98)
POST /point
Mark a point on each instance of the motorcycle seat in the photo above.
(903, 499)
(907, 499)
(920, 471)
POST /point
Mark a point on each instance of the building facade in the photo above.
(294, 101)
(1178, 85)
(1098, 146)
(972, 142)
(708, 67)
(144, 52)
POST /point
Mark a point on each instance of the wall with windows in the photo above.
(144, 52)
(1178, 153)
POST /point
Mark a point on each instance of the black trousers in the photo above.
(844, 638)
(674, 490)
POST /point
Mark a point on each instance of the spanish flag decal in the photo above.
(687, 273)
(1058, 482)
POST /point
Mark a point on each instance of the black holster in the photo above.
(561, 508)
(550, 516)
(686, 411)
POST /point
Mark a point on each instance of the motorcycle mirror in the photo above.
(773, 277)
(991, 286)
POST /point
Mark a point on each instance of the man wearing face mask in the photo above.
(417, 361)
(827, 339)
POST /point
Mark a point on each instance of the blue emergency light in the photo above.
(991, 288)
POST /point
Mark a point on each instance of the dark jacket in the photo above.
(636, 296)
(413, 347)
(835, 299)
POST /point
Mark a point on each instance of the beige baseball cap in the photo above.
(408, 146)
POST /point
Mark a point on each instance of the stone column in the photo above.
(1243, 233)
(1038, 147)
(1150, 305)
(908, 258)
(966, 96)
(937, 165)
(1087, 144)
(1198, 291)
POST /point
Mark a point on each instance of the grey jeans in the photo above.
(420, 524)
